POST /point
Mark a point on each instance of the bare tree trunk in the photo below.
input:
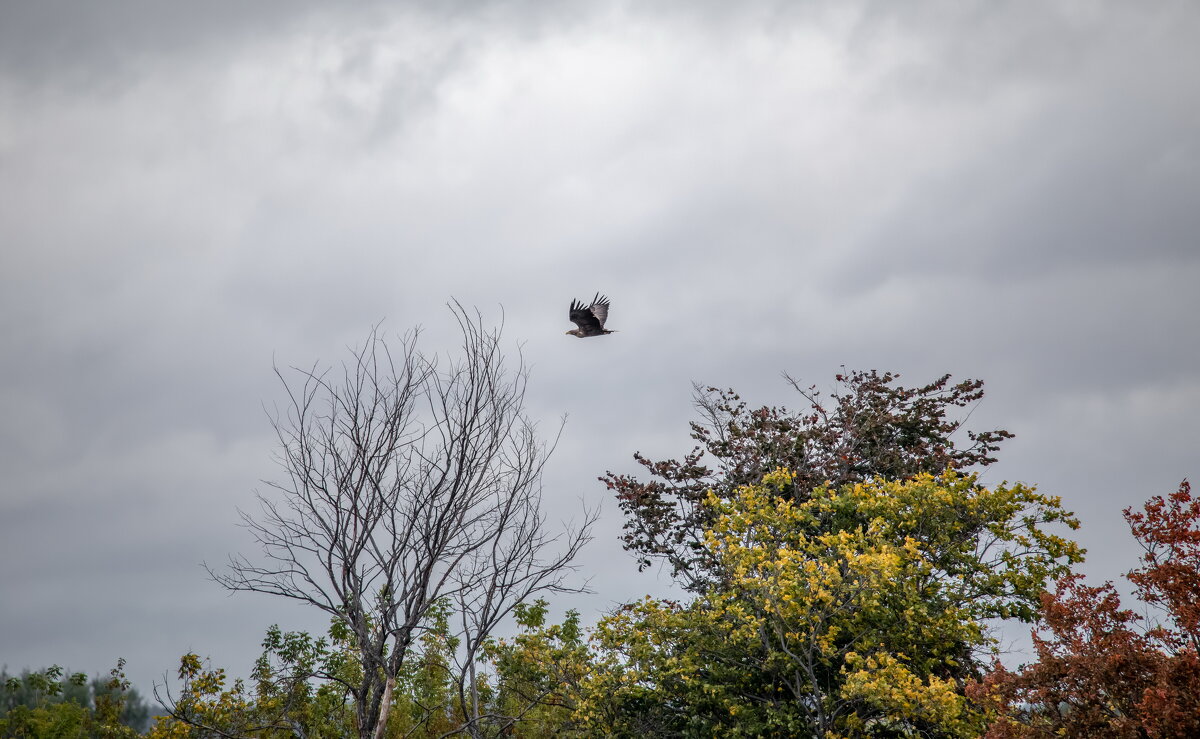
(475, 713)
(386, 707)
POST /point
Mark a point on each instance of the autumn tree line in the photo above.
(845, 572)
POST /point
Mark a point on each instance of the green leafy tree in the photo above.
(855, 611)
(208, 704)
(51, 703)
(35, 705)
(114, 693)
(870, 426)
(36, 687)
(539, 674)
(298, 688)
(426, 701)
(301, 687)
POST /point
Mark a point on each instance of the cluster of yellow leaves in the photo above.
(886, 684)
(205, 699)
(990, 547)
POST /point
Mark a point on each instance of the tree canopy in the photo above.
(858, 610)
(870, 426)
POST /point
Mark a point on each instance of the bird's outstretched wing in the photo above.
(599, 308)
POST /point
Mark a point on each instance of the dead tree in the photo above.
(409, 479)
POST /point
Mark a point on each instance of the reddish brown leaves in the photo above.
(1169, 530)
(1103, 671)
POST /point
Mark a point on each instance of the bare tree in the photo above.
(409, 479)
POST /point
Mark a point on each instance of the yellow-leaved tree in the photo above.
(858, 611)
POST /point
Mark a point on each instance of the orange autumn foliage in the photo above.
(1104, 671)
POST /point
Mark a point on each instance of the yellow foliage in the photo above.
(879, 587)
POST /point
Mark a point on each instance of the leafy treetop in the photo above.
(869, 427)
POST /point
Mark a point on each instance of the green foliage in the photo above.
(298, 688)
(424, 704)
(856, 611)
(68, 720)
(34, 688)
(539, 674)
(301, 686)
(50, 703)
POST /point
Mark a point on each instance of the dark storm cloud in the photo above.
(93, 47)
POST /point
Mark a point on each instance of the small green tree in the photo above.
(539, 674)
(36, 687)
(298, 688)
(51, 703)
(426, 704)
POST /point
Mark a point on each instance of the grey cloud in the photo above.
(1087, 160)
(88, 45)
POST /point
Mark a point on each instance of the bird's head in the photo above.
(574, 332)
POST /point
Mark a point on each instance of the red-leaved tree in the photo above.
(1104, 671)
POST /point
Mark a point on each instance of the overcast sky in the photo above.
(190, 192)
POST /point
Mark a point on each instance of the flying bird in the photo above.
(590, 318)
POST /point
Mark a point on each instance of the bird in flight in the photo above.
(590, 318)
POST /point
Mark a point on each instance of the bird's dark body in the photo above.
(590, 318)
